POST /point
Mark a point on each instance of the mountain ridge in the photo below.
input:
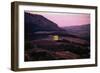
(35, 22)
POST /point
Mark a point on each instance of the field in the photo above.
(38, 50)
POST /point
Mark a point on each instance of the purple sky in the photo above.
(67, 19)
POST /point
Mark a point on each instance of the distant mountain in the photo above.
(36, 22)
(82, 31)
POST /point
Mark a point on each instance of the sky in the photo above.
(66, 19)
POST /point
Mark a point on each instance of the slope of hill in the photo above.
(82, 31)
(36, 22)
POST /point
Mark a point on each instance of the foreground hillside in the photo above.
(38, 50)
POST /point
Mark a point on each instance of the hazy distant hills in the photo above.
(82, 31)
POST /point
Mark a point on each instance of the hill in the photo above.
(82, 31)
(36, 22)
